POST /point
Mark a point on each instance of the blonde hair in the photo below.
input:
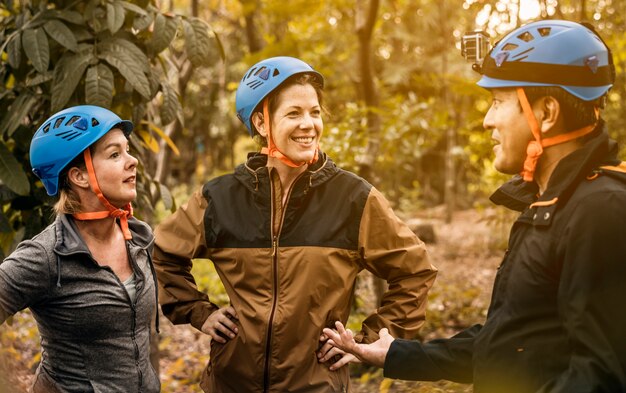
(68, 202)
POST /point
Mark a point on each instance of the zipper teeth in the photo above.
(266, 377)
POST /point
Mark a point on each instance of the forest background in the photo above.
(404, 113)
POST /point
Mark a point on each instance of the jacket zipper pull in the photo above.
(274, 246)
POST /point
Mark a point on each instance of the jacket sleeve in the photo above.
(449, 358)
(24, 278)
(179, 239)
(390, 250)
(591, 296)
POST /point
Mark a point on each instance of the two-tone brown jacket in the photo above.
(289, 271)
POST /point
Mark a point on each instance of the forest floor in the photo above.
(466, 252)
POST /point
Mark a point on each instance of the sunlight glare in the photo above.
(529, 9)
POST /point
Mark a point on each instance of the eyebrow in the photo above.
(113, 144)
(299, 107)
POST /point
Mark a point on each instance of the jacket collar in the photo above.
(253, 171)
(517, 194)
(69, 241)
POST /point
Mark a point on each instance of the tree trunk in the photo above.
(162, 159)
(251, 13)
(583, 13)
(449, 189)
(366, 14)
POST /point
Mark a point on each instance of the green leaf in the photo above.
(171, 105)
(197, 41)
(142, 22)
(61, 34)
(127, 47)
(11, 172)
(67, 73)
(69, 16)
(39, 79)
(35, 45)
(6, 194)
(5, 226)
(129, 66)
(134, 8)
(115, 16)
(220, 46)
(166, 196)
(99, 86)
(17, 112)
(14, 50)
(164, 32)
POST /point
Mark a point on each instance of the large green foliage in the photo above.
(111, 53)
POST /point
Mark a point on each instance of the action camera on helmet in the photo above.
(475, 46)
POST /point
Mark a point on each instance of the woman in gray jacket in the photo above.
(88, 277)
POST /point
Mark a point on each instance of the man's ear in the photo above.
(78, 177)
(258, 123)
(549, 114)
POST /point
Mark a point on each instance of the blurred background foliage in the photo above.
(404, 110)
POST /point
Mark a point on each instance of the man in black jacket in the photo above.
(556, 321)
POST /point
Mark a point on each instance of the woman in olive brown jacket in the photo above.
(288, 233)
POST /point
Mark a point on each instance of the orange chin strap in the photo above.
(272, 151)
(535, 148)
(123, 214)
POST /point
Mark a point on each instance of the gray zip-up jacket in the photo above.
(93, 337)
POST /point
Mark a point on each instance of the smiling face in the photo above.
(296, 122)
(115, 168)
(509, 130)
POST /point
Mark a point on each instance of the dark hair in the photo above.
(576, 112)
(297, 79)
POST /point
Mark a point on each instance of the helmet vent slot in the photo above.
(517, 56)
(58, 122)
(68, 135)
(544, 31)
(509, 46)
(254, 84)
(72, 136)
(250, 73)
(526, 37)
(94, 122)
(276, 72)
(259, 70)
(46, 128)
(72, 120)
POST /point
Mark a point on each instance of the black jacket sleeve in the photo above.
(449, 358)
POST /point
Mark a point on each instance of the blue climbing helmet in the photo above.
(551, 53)
(65, 135)
(263, 78)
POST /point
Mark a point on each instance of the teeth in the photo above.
(303, 139)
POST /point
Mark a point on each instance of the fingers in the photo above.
(324, 350)
(340, 328)
(231, 311)
(329, 354)
(221, 325)
(329, 334)
(345, 359)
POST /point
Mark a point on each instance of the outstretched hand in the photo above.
(373, 353)
(220, 325)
